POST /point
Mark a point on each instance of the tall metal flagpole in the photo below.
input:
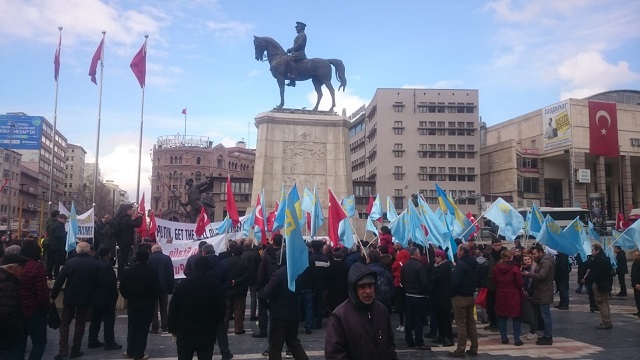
(53, 136)
(141, 128)
(95, 171)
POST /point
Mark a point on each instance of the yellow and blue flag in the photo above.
(73, 228)
(534, 223)
(630, 238)
(575, 234)
(400, 229)
(392, 214)
(416, 224)
(224, 226)
(349, 205)
(296, 247)
(278, 221)
(509, 221)
(317, 218)
(371, 227)
(376, 210)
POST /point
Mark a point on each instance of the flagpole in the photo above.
(141, 129)
(475, 222)
(53, 136)
(185, 124)
(95, 170)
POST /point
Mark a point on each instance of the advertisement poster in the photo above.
(21, 132)
(556, 126)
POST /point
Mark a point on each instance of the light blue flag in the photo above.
(345, 233)
(416, 225)
(296, 248)
(509, 221)
(293, 195)
(307, 200)
(552, 236)
(575, 232)
(593, 232)
(257, 235)
(621, 239)
(631, 236)
(392, 214)
(278, 221)
(534, 225)
(73, 228)
(249, 223)
(224, 226)
(371, 227)
(586, 243)
(400, 229)
(376, 210)
(608, 250)
(317, 218)
(349, 205)
(438, 233)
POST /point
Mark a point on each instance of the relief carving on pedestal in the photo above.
(305, 158)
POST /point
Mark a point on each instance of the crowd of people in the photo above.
(351, 293)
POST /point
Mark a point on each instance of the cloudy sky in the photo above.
(520, 55)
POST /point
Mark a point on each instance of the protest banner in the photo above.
(85, 222)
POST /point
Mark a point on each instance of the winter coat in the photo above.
(58, 237)
(218, 271)
(125, 229)
(196, 309)
(268, 265)
(252, 261)
(464, 277)
(401, 258)
(106, 292)
(635, 274)
(140, 285)
(386, 240)
(318, 267)
(11, 322)
(582, 267)
(385, 280)
(164, 266)
(238, 275)
(483, 271)
(283, 303)
(563, 268)
(440, 279)
(542, 275)
(81, 276)
(621, 260)
(359, 331)
(337, 278)
(600, 273)
(414, 278)
(509, 294)
(494, 258)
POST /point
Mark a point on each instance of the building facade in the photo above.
(405, 141)
(545, 156)
(74, 184)
(117, 196)
(10, 165)
(177, 159)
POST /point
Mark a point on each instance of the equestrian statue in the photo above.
(296, 67)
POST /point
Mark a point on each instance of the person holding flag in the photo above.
(124, 224)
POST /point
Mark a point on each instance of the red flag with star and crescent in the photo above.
(202, 222)
(260, 221)
(603, 129)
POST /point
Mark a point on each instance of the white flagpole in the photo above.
(95, 171)
(53, 136)
(141, 129)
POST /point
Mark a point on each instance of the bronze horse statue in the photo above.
(318, 70)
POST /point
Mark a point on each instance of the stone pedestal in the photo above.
(305, 148)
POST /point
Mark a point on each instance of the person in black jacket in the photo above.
(252, 260)
(80, 274)
(416, 284)
(125, 223)
(104, 303)
(563, 268)
(196, 310)
(268, 265)
(188, 267)
(284, 308)
(635, 281)
(463, 286)
(11, 318)
(163, 265)
(359, 328)
(236, 294)
(600, 275)
(440, 279)
(55, 244)
(621, 270)
(218, 272)
(385, 291)
(140, 285)
(319, 268)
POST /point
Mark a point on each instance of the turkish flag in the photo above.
(142, 230)
(473, 221)
(260, 221)
(202, 222)
(603, 129)
(370, 205)
(139, 65)
(336, 215)
(271, 218)
(621, 223)
(232, 209)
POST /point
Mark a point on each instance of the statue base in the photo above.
(303, 147)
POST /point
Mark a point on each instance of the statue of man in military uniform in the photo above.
(196, 200)
(296, 52)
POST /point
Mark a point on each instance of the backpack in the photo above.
(384, 293)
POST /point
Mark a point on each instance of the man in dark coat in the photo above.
(385, 291)
(236, 294)
(463, 285)
(163, 265)
(55, 244)
(416, 284)
(218, 272)
(80, 274)
(11, 320)
(440, 280)
(124, 224)
(621, 270)
(600, 275)
(337, 277)
(635, 281)
(360, 328)
(542, 289)
(140, 285)
(494, 258)
(319, 267)
(188, 267)
(104, 303)
(252, 260)
(561, 277)
(268, 265)
(195, 312)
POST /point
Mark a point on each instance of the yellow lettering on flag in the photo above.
(504, 208)
(554, 228)
(289, 224)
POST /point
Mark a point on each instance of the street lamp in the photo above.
(41, 226)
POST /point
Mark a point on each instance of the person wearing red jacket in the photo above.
(509, 282)
(396, 269)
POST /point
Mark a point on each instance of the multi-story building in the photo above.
(10, 164)
(32, 204)
(405, 141)
(545, 156)
(116, 195)
(74, 184)
(177, 159)
(42, 150)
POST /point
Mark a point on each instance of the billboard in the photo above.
(20, 132)
(556, 125)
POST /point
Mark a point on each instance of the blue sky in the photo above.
(520, 55)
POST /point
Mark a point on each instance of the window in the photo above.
(452, 170)
(432, 124)
(397, 150)
(422, 124)
(471, 170)
(398, 174)
(198, 160)
(397, 146)
(441, 146)
(461, 147)
(440, 108)
(470, 108)
(440, 124)
(470, 148)
(470, 124)
(423, 169)
(423, 147)
(422, 107)
(398, 106)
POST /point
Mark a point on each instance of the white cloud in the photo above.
(229, 29)
(589, 73)
(344, 100)
(254, 73)
(442, 84)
